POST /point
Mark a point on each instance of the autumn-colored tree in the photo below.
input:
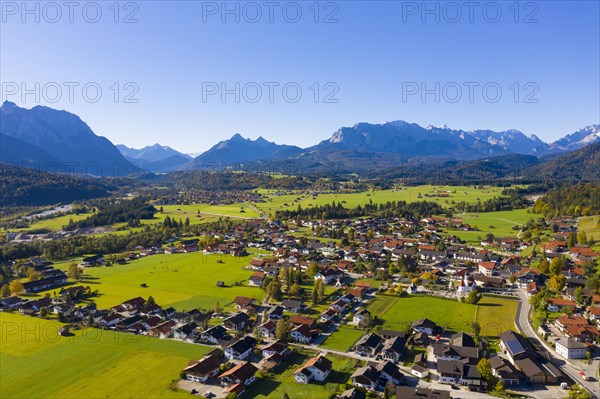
(544, 266)
(282, 329)
(4, 291)
(16, 287)
(557, 283)
(485, 369)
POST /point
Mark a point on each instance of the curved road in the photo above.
(572, 370)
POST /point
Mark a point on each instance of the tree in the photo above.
(556, 265)
(4, 291)
(33, 275)
(366, 322)
(499, 386)
(572, 240)
(150, 301)
(294, 289)
(578, 392)
(74, 272)
(282, 329)
(472, 298)
(312, 269)
(320, 290)
(16, 287)
(476, 330)
(485, 369)
(557, 283)
(218, 308)
(274, 291)
(544, 266)
(579, 295)
(582, 237)
(43, 312)
(315, 297)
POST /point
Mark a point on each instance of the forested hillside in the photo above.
(23, 186)
(577, 200)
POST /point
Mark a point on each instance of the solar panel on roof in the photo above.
(515, 346)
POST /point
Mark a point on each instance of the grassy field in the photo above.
(343, 338)
(54, 223)
(184, 281)
(282, 380)
(495, 315)
(191, 211)
(500, 224)
(410, 194)
(590, 226)
(207, 213)
(37, 363)
(397, 312)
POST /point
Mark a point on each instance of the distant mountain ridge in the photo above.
(43, 135)
(65, 137)
(238, 149)
(155, 158)
(574, 141)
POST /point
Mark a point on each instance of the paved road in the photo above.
(572, 369)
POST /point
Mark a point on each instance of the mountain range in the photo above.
(155, 158)
(43, 135)
(57, 141)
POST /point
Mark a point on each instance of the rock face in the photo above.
(65, 137)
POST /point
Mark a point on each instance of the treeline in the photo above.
(111, 211)
(511, 200)
(81, 245)
(577, 200)
(403, 209)
(24, 186)
(224, 180)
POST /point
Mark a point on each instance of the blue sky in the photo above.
(369, 60)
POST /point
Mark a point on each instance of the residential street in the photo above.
(571, 368)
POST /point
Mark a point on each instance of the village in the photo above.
(387, 257)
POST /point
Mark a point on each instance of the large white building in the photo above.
(570, 348)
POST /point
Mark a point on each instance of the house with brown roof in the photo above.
(558, 304)
(203, 369)
(316, 368)
(243, 373)
(303, 334)
(486, 268)
(298, 320)
(242, 302)
(564, 321)
(257, 279)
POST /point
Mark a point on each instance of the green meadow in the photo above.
(500, 224)
(241, 210)
(55, 223)
(591, 226)
(37, 363)
(468, 194)
(184, 281)
(343, 338)
(493, 314)
(496, 315)
(397, 312)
